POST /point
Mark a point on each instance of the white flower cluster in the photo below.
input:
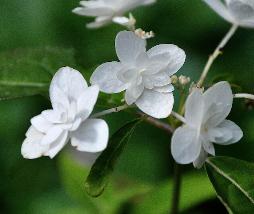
(72, 101)
(206, 124)
(145, 77)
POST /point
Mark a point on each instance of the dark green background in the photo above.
(37, 186)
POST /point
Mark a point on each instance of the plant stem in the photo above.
(176, 189)
(157, 123)
(216, 53)
(178, 117)
(109, 111)
(245, 96)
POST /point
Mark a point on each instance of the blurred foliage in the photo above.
(57, 186)
(195, 189)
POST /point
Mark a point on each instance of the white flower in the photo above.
(72, 101)
(239, 12)
(205, 124)
(106, 10)
(144, 75)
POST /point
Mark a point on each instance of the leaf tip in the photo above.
(93, 192)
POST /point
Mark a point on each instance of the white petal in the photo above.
(98, 11)
(106, 77)
(241, 10)
(171, 55)
(147, 2)
(155, 104)
(199, 162)
(53, 116)
(57, 145)
(128, 75)
(92, 4)
(72, 111)
(99, 22)
(220, 9)
(226, 133)
(129, 47)
(75, 124)
(87, 101)
(92, 136)
(41, 124)
(142, 61)
(194, 108)
(33, 133)
(247, 23)
(31, 147)
(59, 99)
(52, 135)
(156, 80)
(218, 103)
(133, 93)
(122, 20)
(165, 89)
(70, 82)
(209, 147)
(185, 145)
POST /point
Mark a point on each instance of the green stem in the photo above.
(110, 111)
(176, 189)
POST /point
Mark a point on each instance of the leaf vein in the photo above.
(23, 84)
(231, 180)
(225, 204)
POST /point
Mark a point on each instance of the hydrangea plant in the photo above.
(147, 80)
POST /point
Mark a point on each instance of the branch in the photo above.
(109, 111)
(245, 96)
(216, 53)
(157, 123)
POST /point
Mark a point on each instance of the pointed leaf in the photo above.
(233, 181)
(104, 165)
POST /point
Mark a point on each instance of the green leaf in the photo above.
(27, 72)
(195, 189)
(104, 165)
(233, 181)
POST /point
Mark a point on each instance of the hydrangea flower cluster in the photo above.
(146, 77)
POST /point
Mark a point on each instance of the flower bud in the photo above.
(174, 79)
(183, 80)
(143, 34)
